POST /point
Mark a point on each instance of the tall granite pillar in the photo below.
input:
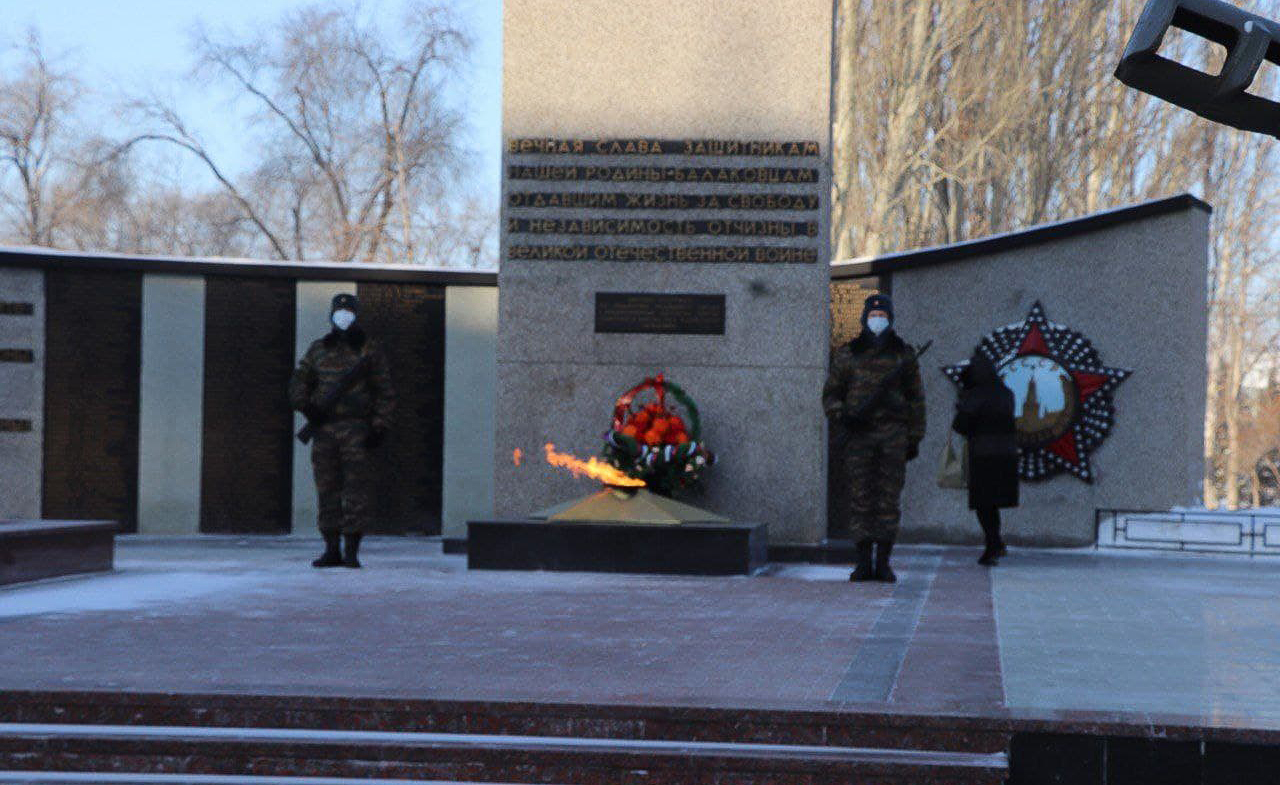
(666, 209)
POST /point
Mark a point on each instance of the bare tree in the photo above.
(47, 165)
(360, 148)
(959, 118)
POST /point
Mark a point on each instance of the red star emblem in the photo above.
(1070, 356)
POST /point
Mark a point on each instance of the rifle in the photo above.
(340, 389)
(890, 379)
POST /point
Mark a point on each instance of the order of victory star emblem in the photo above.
(1063, 394)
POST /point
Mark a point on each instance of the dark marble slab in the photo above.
(483, 757)
(1141, 761)
(1226, 763)
(825, 552)
(867, 727)
(675, 549)
(1057, 759)
(31, 550)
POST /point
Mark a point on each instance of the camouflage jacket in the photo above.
(857, 369)
(372, 398)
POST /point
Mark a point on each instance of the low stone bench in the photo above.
(31, 550)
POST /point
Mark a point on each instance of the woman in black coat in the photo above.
(985, 416)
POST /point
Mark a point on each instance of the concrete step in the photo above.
(454, 757)
(117, 778)
(847, 727)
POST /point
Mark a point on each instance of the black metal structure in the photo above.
(1249, 39)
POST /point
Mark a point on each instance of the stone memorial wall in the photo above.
(657, 217)
(21, 392)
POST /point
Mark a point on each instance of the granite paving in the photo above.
(1078, 630)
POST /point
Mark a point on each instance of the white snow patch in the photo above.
(119, 591)
(812, 572)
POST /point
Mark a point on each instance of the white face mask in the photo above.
(877, 324)
(342, 318)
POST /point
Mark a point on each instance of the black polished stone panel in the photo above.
(1235, 764)
(665, 314)
(1144, 761)
(706, 254)
(408, 321)
(622, 200)
(246, 477)
(675, 549)
(93, 354)
(1057, 759)
(648, 226)
(641, 146)
(644, 173)
(32, 550)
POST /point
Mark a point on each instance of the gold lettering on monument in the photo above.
(657, 174)
(662, 253)
(643, 146)
(663, 226)
(754, 210)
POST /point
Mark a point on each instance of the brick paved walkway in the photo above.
(1044, 630)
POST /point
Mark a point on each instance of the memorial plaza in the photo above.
(1047, 631)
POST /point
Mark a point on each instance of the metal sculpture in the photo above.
(1249, 39)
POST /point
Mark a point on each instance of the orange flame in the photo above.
(594, 468)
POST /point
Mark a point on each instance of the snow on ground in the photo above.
(128, 589)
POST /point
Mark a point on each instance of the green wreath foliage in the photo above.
(664, 468)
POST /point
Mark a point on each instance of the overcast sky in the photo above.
(128, 46)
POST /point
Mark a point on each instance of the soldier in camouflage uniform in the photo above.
(882, 437)
(346, 431)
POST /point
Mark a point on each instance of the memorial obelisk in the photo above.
(666, 186)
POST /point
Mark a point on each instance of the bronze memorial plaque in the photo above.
(672, 314)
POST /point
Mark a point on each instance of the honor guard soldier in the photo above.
(874, 393)
(343, 387)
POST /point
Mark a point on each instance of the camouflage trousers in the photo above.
(875, 469)
(344, 475)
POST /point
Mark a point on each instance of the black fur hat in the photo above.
(877, 302)
(345, 301)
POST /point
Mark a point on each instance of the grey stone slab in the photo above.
(22, 396)
(18, 384)
(170, 418)
(1137, 291)
(1191, 635)
(553, 304)
(659, 69)
(21, 286)
(874, 670)
(681, 68)
(470, 387)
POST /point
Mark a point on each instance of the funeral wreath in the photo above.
(656, 436)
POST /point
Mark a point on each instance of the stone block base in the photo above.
(675, 549)
(31, 550)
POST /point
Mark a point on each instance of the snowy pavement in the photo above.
(1183, 635)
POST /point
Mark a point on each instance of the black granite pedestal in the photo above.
(31, 550)
(577, 546)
